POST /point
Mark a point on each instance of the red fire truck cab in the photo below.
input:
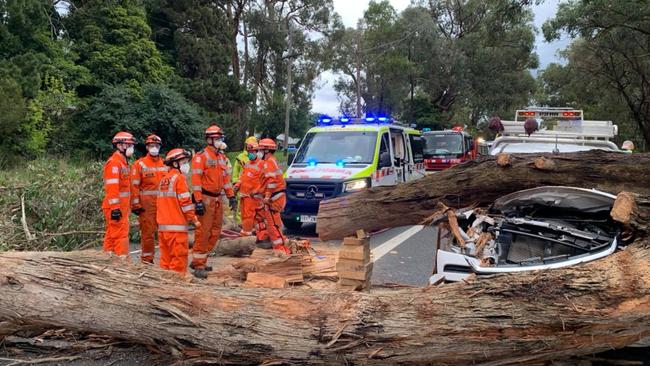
(444, 149)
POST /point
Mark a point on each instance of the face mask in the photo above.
(185, 168)
(129, 151)
(260, 154)
(154, 150)
(217, 141)
(252, 156)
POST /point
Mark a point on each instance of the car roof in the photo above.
(541, 147)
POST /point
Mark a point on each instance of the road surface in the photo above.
(403, 255)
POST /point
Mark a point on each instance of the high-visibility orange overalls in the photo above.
(210, 176)
(175, 210)
(275, 199)
(117, 192)
(146, 174)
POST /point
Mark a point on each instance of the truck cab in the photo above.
(444, 149)
(560, 130)
(347, 155)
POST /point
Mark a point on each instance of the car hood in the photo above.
(586, 200)
(327, 171)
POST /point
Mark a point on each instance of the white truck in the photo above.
(561, 130)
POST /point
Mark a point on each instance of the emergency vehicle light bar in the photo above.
(542, 113)
(369, 118)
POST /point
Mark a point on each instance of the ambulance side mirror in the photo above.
(384, 160)
(291, 158)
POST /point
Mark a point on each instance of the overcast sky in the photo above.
(325, 99)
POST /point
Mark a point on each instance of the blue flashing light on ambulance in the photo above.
(348, 154)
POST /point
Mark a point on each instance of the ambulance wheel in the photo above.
(292, 225)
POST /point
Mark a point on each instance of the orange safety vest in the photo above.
(211, 173)
(273, 177)
(146, 174)
(174, 207)
(251, 179)
(116, 182)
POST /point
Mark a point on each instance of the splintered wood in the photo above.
(266, 268)
(353, 265)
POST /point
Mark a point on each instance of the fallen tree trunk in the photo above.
(237, 247)
(480, 182)
(504, 319)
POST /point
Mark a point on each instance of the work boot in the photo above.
(200, 273)
(264, 244)
(283, 248)
(207, 268)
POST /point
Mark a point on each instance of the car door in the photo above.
(385, 173)
(416, 165)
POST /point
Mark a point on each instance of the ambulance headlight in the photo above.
(355, 185)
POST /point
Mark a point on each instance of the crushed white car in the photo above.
(534, 229)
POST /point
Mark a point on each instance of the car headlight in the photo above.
(355, 185)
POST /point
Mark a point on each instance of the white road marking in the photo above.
(391, 244)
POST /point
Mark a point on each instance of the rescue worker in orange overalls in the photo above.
(174, 212)
(250, 192)
(117, 187)
(210, 177)
(146, 174)
(275, 198)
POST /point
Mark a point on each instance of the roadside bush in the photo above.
(62, 203)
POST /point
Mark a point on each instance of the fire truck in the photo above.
(444, 149)
(560, 130)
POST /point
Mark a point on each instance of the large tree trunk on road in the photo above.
(480, 182)
(504, 319)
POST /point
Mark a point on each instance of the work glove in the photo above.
(116, 214)
(199, 208)
(138, 210)
(232, 202)
(196, 223)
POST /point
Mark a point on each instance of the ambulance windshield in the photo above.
(338, 146)
(443, 144)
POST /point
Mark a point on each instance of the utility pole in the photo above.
(358, 55)
(287, 112)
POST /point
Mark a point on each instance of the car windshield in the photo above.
(443, 144)
(336, 146)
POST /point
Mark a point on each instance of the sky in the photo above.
(325, 98)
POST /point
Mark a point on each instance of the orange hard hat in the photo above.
(123, 137)
(213, 131)
(252, 146)
(176, 155)
(267, 144)
(153, 139)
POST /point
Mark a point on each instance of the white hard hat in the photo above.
(627, 145)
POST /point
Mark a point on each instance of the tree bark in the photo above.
(479, 182)
(501, 319)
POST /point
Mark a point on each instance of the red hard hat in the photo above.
(213, 130)
(175, 155)
(252, 146)
(267, 144)
(123, 137)
(153, 139)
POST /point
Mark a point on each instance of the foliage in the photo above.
(13, 113)
(156, 109)
(611, 52)
(113, 41)
(55, 205)
(465, 59)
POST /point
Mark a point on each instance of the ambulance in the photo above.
(347, 155)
